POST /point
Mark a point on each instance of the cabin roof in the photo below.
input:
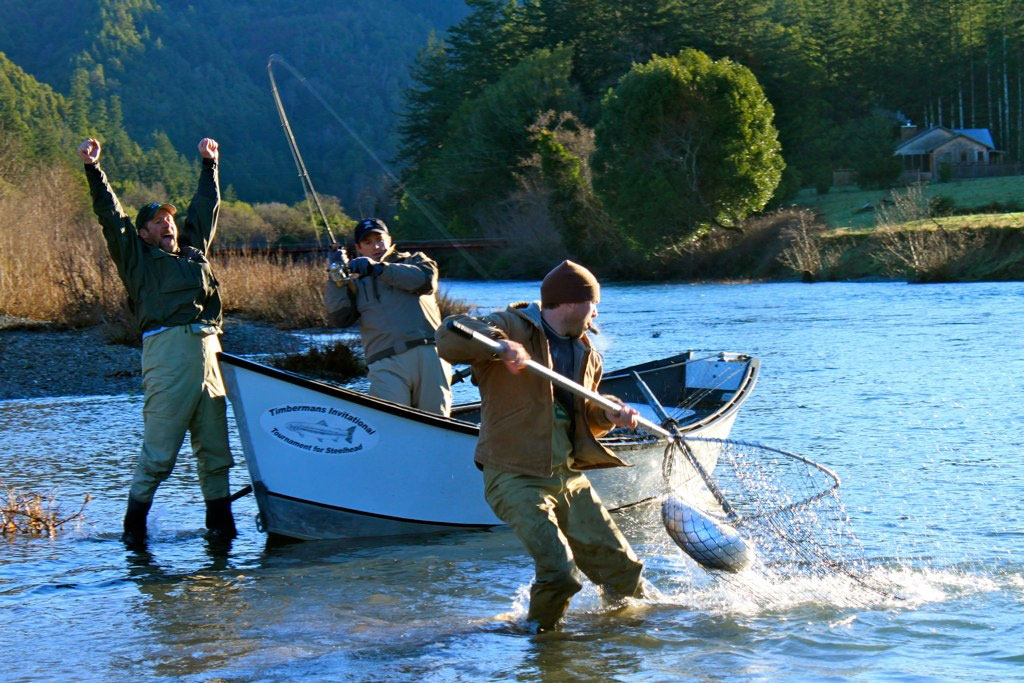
(927, 141)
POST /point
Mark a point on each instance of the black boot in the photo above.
(134, 535)
(219, 521)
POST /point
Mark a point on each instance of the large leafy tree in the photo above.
(485, 143)
(685, 143)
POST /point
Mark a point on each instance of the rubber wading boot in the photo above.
(134, 535)
(220, 523)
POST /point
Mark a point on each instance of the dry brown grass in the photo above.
(34, 514)
(273, 288)
(54, 266)
(53, 263)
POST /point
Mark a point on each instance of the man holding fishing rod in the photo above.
(393, 295)
(536, 437)
(174, 297)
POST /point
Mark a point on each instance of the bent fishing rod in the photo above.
(427, 211)
(293, 147)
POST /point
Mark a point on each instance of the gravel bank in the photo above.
(37, 360)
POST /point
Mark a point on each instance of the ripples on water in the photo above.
(911, 393)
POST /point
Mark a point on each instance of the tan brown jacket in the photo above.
(393, 308)
(518, 409)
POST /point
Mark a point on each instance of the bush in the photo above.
(928, 255)
(33, 514)
(336, 362)
(684, 143)
(240, 225)
(805, 252)
(942, 205)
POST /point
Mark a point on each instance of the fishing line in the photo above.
(307, 183)
(427, 211)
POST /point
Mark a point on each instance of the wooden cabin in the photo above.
(966, 150)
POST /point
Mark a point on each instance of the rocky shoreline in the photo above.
(39, 360)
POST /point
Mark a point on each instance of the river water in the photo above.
(911, 393)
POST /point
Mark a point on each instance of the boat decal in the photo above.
(319, 429)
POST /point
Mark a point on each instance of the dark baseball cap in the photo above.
(147, 212)
(368, 225)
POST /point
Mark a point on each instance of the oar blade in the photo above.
(711, 542)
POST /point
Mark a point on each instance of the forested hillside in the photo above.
(501, 116)
(840, 76)
(176, 71)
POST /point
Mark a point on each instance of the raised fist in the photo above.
(209, 149)
(90, 151)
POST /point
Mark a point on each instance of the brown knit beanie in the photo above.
(569, 283)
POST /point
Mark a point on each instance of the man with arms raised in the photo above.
(173, 294)
(535, 439)
(394, 298)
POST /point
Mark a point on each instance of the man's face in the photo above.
(577, 318)
(373, 245)
(161, 231)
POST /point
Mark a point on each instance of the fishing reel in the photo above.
(338, 273)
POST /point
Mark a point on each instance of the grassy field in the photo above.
(845, 208)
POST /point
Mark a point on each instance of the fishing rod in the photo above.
(424, 209)
(293, 147)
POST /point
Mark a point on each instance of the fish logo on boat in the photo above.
(321, 431)
(317, 429)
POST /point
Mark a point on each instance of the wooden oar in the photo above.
(556, 379)
(244, 491)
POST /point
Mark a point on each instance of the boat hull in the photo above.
(327, 462)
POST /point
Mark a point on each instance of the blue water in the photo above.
(912, 394)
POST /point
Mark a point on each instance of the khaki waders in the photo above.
(560, 519)
(184, 392)
(417, 378)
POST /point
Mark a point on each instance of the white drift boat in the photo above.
(327, 462)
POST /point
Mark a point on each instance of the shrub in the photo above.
(33, 514)
(336, 362)
(941, 205)
(928, 255)
(805, 253)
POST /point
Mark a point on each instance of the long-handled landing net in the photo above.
(751, 511)
(769, 520)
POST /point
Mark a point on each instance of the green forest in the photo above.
(573, 125)
(169, 73)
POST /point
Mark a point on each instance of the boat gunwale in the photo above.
(362, 399)
(742, 392)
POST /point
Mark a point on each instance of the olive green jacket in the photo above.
(395, 307)
(517, 412)
(164, 289)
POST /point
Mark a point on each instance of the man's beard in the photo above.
(577, 328)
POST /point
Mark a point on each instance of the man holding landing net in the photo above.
(535, 440)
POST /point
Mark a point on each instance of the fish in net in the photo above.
(768, 520)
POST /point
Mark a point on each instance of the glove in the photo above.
(364, 266)
(333, 257)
